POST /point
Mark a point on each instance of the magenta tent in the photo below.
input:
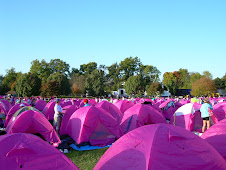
(32, 121)
(68, 110)
(140, 115)
(123, 105)
(5, 105)
(111, 108)
(26, 151)
(93, 125)
(40, 104)
(48, 110)
(160, 146)
(216, 136)
(188, 116)
(12, 111)
(220, 110)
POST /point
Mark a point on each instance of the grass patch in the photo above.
(86, 160)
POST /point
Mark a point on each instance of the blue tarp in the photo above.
(87, 147)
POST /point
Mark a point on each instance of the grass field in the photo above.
(86, 160)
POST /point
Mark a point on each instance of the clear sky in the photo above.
(168, 34)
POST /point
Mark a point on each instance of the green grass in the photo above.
(86, 160)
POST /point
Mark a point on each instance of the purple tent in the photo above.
(48, 110)
(111, 108)
(140, 115)
(32, 121)
(7, 105)
(94, 125)
(68, 110)
(160, 146)
(26, 151)
(40, 104)
(123, 105)
(12, 111)
(220, 110)
(188, 116)
(216, 136)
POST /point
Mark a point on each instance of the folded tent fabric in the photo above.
(160, 146)
(27, 151)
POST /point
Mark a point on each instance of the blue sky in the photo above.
(168, 34)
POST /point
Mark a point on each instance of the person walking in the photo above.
(205, 114)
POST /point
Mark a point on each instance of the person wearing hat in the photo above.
(58, 115)
(205, 114)
(85, 101)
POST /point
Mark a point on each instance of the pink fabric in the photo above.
(7, 105)
(160, 146)
(94, 125)
(70, 110)
(40, 104)
(216, 136)
(31, 121)
(48, 110)
(123, 105)
(220, 110)
(140, 115)
(11, 112)
(26, 151)
(111, 108)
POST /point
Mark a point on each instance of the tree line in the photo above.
(56, 78)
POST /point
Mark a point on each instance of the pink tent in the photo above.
(65, 103)
(94, 125)
(123, 105)
(7, 105)
(68, 110)
(48, 110)
(111, 108)
(220, 110)
(26, 151)
(32, 121)
(160, 146)
(188, 116)
(170, 109)
(216, 136)
(12, 111)
(40, 104)
(140, 115)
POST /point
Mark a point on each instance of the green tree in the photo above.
(88, 68)
(94, 83)
(62, 81)
(129, 67)
(28, 84)
(194, 77)
(50, 88)
(42, 69)
(155, 89)
(207, 74)
(171, 81)
(59, 66)
(151, 73)
(135, 85)
(220, 84)
(184, 79)
(203, 86)
(9, 79)
(113, 77)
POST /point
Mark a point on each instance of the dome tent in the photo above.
(26, 151)
(93, 125)
(140, 115)
(32, 121)
(40, 104)
(160, 146)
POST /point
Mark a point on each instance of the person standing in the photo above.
(205, 114)
(58, 116)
